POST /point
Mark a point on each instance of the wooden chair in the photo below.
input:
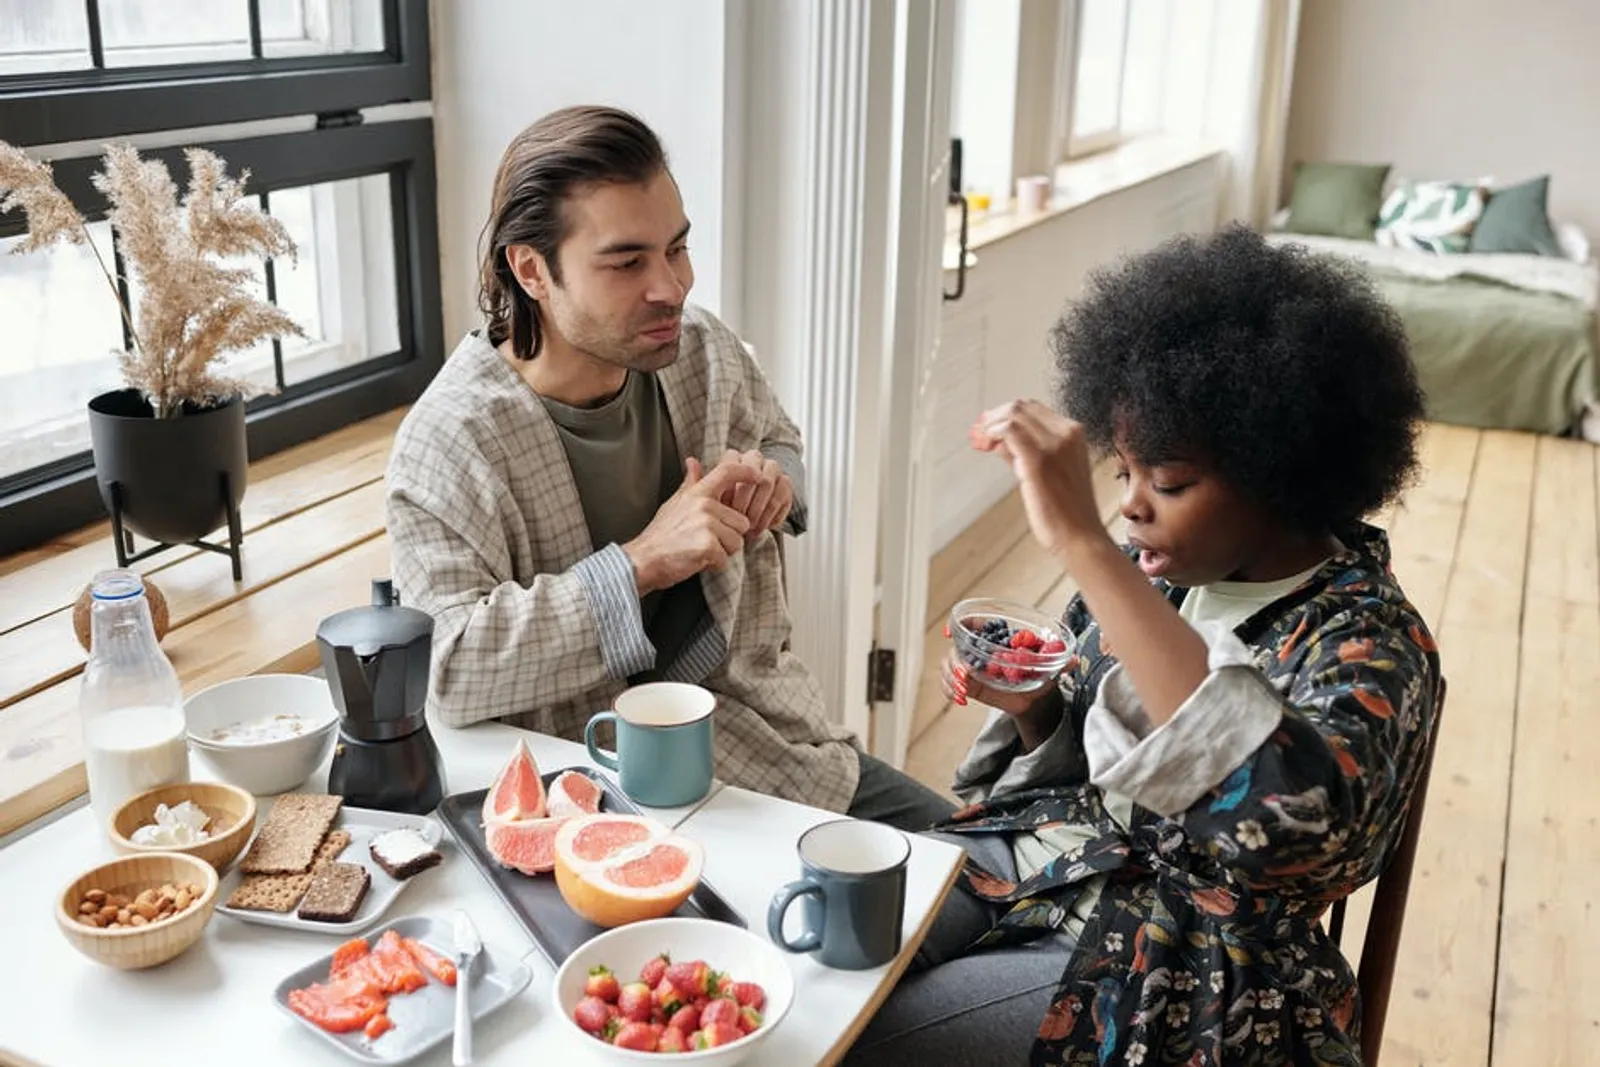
(1375, 979)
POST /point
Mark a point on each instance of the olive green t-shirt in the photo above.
(625, 461)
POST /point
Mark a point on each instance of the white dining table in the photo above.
(213, 1004)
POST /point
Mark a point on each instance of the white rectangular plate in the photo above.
(426, 1017)
(362, 824)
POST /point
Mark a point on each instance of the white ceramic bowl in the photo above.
(746, 956)
(268, 767)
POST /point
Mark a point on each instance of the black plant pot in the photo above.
(170, 480)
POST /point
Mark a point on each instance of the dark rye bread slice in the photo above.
(288, 842)
(336, 893)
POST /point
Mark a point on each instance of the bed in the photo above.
(1500, 341)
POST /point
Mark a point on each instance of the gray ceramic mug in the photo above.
(852, 892)
(664, 743)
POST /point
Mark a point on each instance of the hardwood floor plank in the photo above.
(954, 569)
(1549, 930)
(281, 485)
(41, 749)
(46, 650)
(1444, 978)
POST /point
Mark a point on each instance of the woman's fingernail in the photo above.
(961, 699)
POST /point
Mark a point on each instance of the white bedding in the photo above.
(1544, 274)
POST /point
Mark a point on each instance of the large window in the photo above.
(357, 197)
(1039, 84)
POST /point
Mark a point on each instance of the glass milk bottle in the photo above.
(131, 703)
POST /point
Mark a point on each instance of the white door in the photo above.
(924, 65)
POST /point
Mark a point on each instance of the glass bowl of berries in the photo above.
(1010, 646)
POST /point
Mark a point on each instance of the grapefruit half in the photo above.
(617, 869)
(526, 845)
(573, 794)
(517, 792)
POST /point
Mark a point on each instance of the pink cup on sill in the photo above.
(1033, 194)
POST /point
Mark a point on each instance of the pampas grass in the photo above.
(193, 307)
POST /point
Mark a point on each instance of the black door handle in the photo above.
(958, 200)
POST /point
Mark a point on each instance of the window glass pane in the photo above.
(319, 27)
(1143, 62)
(139, 33)
(62, 334)
(1097, 89)
(342, 289)
(43, 35)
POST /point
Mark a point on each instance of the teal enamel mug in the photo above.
(664, 743)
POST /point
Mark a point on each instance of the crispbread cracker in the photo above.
(288, 842)
(282, 892)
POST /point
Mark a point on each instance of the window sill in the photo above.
(1078, 182)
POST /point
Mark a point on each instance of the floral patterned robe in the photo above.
(1206, 946)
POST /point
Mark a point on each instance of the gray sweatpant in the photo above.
(954, 1009)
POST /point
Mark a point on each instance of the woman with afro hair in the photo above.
(1153, 840)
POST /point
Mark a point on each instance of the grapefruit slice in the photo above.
(573, 794)
(526, 845)
(517, 792)
(616, 869)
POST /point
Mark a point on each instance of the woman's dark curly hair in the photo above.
(1282, 371)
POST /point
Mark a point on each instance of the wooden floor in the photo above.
(1497, 546)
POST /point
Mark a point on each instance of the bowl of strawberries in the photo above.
(1010, 646)
(709, 991)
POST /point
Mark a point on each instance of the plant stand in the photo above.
(123, 537)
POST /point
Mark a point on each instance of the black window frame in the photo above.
(43, 502)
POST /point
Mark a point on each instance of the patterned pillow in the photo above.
(1430, 216)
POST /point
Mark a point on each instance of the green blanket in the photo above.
(1494, 356)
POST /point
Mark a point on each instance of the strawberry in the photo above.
(603, 984)
(651, 973)
(692, 978)
(994, 669)
(716, 1035)
(686, 1018)
(749, 1020)
(591, 1014)
(724, 985)
(721, 1010)
(750, 995)
(1053, 647)
(635, 1002)
(667, 998)
(637, 1036)
(673, 1040)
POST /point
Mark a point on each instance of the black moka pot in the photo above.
(376, 659)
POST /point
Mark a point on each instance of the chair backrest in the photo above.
(1379, 950)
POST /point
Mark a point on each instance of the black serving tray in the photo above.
(534, 899)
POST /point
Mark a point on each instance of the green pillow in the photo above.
(1337, 199)
(1515, 220)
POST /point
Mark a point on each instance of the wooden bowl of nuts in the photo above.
(138, 911)
(229, 811)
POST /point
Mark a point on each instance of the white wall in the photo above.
(993, 346)
(1454, 89)
(500, 64)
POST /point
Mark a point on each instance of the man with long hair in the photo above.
(589, 494)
